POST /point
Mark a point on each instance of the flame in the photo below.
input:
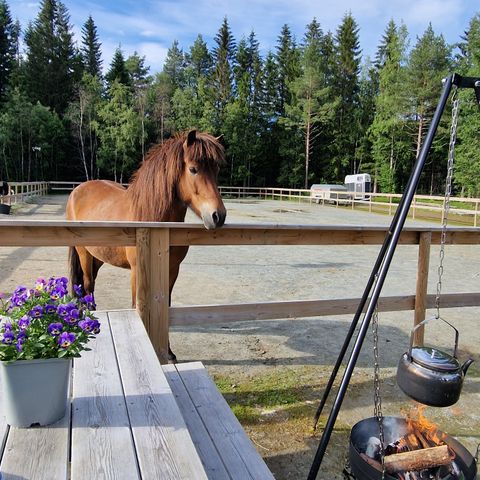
(416, 421)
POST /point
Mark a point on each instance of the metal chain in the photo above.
(448, 191)
(376, 386)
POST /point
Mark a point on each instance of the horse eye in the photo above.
(193, 170)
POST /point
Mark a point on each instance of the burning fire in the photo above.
(418, 423)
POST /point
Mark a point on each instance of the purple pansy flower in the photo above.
(40, 284)
(89, 301)
(8, 337)
(24, 322)
(19, 344)
(64, 309)
(78, 290)
(7, 327)
(88, 324)
(19, 296)
(54, 329)
(95, 327)
(36, 311)
(73, 316)
(66, 339)
(50, 308)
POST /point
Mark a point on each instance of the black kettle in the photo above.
(430, 376)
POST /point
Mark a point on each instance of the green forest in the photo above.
(311, 110)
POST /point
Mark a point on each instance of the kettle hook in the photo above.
(422, 323)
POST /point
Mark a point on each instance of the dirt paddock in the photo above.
(273, 372)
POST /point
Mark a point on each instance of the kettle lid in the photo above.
(434, 359)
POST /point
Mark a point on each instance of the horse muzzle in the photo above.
(213, 219)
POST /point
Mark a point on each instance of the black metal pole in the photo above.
(364, 299)
(395, 229)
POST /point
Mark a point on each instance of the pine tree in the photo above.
(199, 58)
(140, 82)
(429, 62)
(347, 89)
(52, 63)
(244, 123)
(8, 47)
(311, 109)
(91, 49)
(174, 65)
(118, 70)
(287, 57)
(224, 55)
(467, 158)
(390, 144)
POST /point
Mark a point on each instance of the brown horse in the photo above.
(179, 174)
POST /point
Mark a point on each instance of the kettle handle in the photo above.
(423, 322)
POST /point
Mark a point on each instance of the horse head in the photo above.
(197, 186)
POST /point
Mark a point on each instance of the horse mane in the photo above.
(152, 189)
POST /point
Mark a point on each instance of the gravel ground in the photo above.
(304, 350)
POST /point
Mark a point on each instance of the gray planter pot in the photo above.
(35, 392)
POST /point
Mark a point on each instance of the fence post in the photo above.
(142, 240)
(422, 285)
(152, 289)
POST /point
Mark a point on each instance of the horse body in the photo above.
(178, 175)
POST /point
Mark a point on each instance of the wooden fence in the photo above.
(153, 242)
(21, 191)
(425, 206)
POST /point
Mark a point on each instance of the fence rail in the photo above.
(429, 206)
(153, 242)
(20, 191)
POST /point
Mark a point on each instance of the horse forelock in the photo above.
(152, 189)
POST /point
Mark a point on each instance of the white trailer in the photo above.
(360, 184)
(323, 192)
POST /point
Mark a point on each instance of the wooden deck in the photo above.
(131, 419)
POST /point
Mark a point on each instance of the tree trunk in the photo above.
(82, 143)
(307, 151)
(419, 136)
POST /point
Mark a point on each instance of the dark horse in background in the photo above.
(180, 174)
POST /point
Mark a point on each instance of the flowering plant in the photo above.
(46, 321)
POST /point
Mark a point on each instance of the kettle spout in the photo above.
(466, 365)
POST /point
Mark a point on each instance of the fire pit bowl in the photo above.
(394, 428)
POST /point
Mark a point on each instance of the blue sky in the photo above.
(150, 26)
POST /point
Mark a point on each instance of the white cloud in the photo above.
(150, 26)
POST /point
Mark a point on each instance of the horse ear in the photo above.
(191, 137)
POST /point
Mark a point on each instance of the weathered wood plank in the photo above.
(201, 314)
(206, 449)
(143, 276)
(422, 285)
(52, 236)
(285, 236)
(164, 447)
(102, 443)
(37, 453)
(271, 310)
(159, 291)
(240, 457)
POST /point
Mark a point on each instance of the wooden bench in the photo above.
(127, 421)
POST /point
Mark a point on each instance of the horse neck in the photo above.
(141, 207)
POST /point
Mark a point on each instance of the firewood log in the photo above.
(418, 459)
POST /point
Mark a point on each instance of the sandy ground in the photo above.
(299, 352)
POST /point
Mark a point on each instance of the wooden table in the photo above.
(131, 419)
